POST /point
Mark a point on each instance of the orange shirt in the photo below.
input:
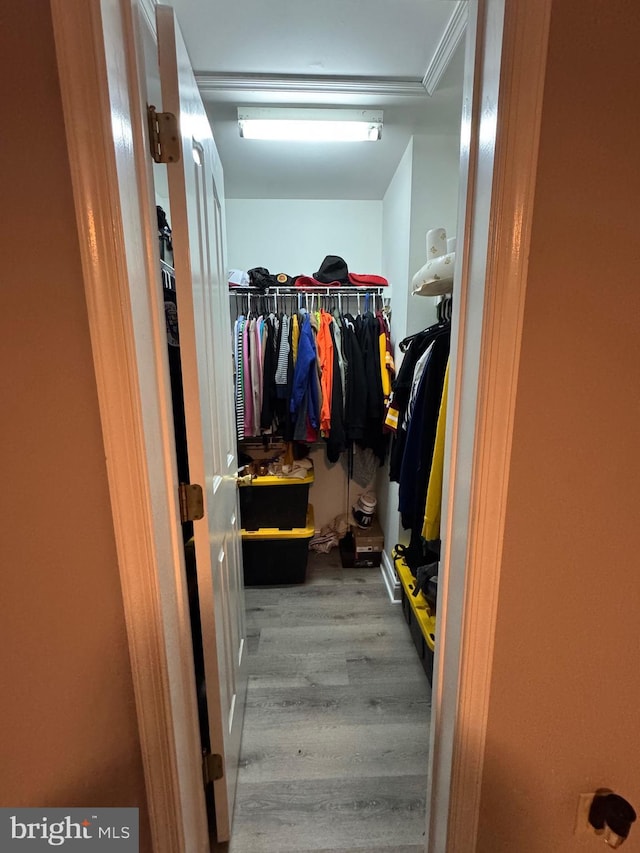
(325, 361)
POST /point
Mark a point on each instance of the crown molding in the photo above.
(446, 47)
(210, 82)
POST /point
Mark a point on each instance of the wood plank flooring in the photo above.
(334, 750)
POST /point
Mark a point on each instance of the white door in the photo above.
(196, 196)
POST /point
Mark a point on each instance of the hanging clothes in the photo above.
(337, 439)
(413, 447)
(255, 368)
(355, 398)
(325, 361)
(367, 335)
(248, 398)
(239, 360)
(418, 372)
(287, 422)
(337, 343)
(175, 376)
(319, 373)
(283, 357)
(269, 366)
(387, 367)
(257, 373)
(305, 387)
(295, 337)
(420, 439)
(402, 390)
(433, 508)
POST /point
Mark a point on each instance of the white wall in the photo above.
(396, 237)
(434, 204)
(294, 235)
(423, 194)
(396, 232)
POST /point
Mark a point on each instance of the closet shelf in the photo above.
(352, 290)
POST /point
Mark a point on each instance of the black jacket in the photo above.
(355, 402)
(337, 441)
(402, 390)
(367, 332)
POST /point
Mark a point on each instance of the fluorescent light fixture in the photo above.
(310, 125)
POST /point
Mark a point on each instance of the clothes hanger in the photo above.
(405, 342)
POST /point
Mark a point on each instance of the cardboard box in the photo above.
(362, 549)
(368, 539)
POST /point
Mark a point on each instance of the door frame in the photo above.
(505, 67)
(128, 339)
(500, 132)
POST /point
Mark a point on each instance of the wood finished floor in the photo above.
(334, 750)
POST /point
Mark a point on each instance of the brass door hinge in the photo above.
(212, 767)
(191, 502)
(164, 136)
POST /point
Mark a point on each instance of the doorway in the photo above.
(454, 619)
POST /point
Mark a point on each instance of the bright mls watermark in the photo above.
(26, 830)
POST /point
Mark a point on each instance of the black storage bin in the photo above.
(274, 557)
(424, 652)
(418, 616)
(275, 502)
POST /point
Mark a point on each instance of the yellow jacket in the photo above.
(433, 508)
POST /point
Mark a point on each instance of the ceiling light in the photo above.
(310, 125)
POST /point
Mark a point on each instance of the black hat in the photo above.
(332, 269)
(261, 278)
(284, 280)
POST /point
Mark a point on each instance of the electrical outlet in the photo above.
(583, 827)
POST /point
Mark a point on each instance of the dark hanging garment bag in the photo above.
(337, 441)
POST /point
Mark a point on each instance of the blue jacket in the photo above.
(305, 381)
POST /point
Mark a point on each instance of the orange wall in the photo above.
(565, 701)
(68, 731)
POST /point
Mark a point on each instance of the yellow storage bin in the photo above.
(275, 502)
(275, 557)
(419, 616)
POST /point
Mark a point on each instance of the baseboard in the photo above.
(390, 578)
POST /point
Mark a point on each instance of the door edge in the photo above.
(502, 110)
(173, 774)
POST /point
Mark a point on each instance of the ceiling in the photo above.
(404, 56)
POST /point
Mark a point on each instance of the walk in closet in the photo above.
(330, 367)
(341, 618)
(335, 611)
(386, 237)
(297, 716)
